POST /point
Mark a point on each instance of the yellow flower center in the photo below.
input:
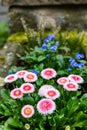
(30, 76)
(17, 93)
(28, 111)
(63, 80)
(51, 93)
(27, 87)
(71, 85)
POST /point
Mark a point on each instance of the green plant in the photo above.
(45, 77)
(4, 33)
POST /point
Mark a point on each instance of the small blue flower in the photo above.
(57, 44)
(74, 64)
(35, 71)
(79, 56)
(47, 55)
(51, 37)
(69, 69)
(71, 60)
(44, 46)
(53, 48)
(46, 40)
(80, 65)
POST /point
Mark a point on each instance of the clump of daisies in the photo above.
(41, 97)
(44, 96)
(47, 93)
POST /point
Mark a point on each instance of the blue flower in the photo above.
(44, 46)
(74, 64)
(80, 65)
(69, 69)
(46, 40)
(51, 37)
(71, 60)
(53, 48)
(47, 55)
(35, 71)
(57, 44)
(79, 56)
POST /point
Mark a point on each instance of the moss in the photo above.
(18, 37)
(75, 39)
(84, 42)
(2, 59)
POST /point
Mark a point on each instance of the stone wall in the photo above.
(3, 13)
(42, 2)
(49, 14)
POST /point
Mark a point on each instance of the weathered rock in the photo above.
(3, 13)
(49, 17)
(42, 2)
(49, 14)
(8, 57)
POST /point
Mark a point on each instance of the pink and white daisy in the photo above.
(27, 88)
(62, 80)
(43, 88)
(10, 78)
(75, 78)
(71, 86)
(30, 77)
(16, 93)
(48, 73)
(52, 94)
(21, 73)
(27, 111)
(46, 106)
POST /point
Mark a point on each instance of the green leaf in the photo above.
(41, 66)
(61, 72)
(81, 124)
(5, 110)
(2, 127)
(28, 99)
(41, 58)
(5, 93)
(72, 105)
(83, 102)
(13, 122)
(60, 60)
(37, 129)
(81, 116)
(66, 49)
(83, 61)
(39, 82)
(84, 98)
(41, 125)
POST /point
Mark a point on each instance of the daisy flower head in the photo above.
(21, 73)
(70, 86)
(43, 88)
(10, 78)
(16, 93)
(27, 126)
(30, 77)
(27, 111)
(27, 88)
(48, 73)
(75, 78)
(62, 80)
(46, 106)
(52, 94)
